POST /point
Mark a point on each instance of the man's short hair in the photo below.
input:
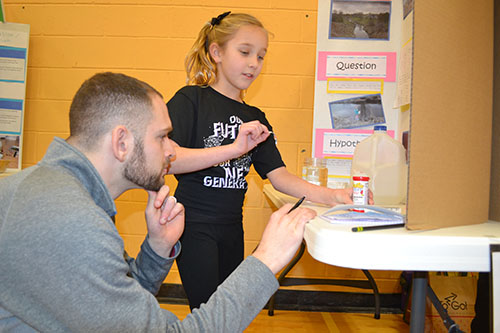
(107, 100)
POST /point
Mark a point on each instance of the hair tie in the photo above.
(216, 20)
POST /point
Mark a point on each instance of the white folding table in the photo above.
(460, 249)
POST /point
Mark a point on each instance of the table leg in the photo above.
(375, 292)
(449, 323)
(418, 296)
(288, 268)
(370, 284)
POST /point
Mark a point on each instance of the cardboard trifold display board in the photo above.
(495, 140)
(451, 114)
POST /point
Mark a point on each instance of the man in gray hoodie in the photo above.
(62, 266)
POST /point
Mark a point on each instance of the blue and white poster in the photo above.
(14, 41)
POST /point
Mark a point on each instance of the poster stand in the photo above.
(14, 43)
(356, 81)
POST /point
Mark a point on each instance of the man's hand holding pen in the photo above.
(283, 235)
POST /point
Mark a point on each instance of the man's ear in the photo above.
(121, 142)
(215, 52)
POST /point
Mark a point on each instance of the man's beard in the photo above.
(137, 172)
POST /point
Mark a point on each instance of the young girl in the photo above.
(219, 137)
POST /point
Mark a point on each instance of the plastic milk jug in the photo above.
(383, 159)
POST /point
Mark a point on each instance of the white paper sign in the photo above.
(342, 143)
(356, 66)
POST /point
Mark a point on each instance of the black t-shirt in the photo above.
(202, 118)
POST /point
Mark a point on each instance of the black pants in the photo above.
(210, 252)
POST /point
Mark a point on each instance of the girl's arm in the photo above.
(193, 159)
(290, 184)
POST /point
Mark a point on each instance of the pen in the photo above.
(297, 204)
(378, 227)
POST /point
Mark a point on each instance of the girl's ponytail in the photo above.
(200, 67)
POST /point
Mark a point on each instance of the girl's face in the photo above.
(240, 61)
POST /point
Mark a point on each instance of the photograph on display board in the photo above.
(357, 112)
(9, 151)
(360, 19)
(407, 7)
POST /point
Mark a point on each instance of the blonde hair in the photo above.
(200, 67)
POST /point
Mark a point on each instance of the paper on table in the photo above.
(373, 215)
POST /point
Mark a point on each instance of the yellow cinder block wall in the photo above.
(72, 40)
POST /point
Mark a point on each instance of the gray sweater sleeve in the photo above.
(236, 302)
(150, 269)
(89, 291)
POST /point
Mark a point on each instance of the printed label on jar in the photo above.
(360, 190)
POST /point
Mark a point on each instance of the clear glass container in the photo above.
(315, 171)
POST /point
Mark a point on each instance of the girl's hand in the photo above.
(249, 136)
(344, 196)
(165, 221)
(341, 196)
